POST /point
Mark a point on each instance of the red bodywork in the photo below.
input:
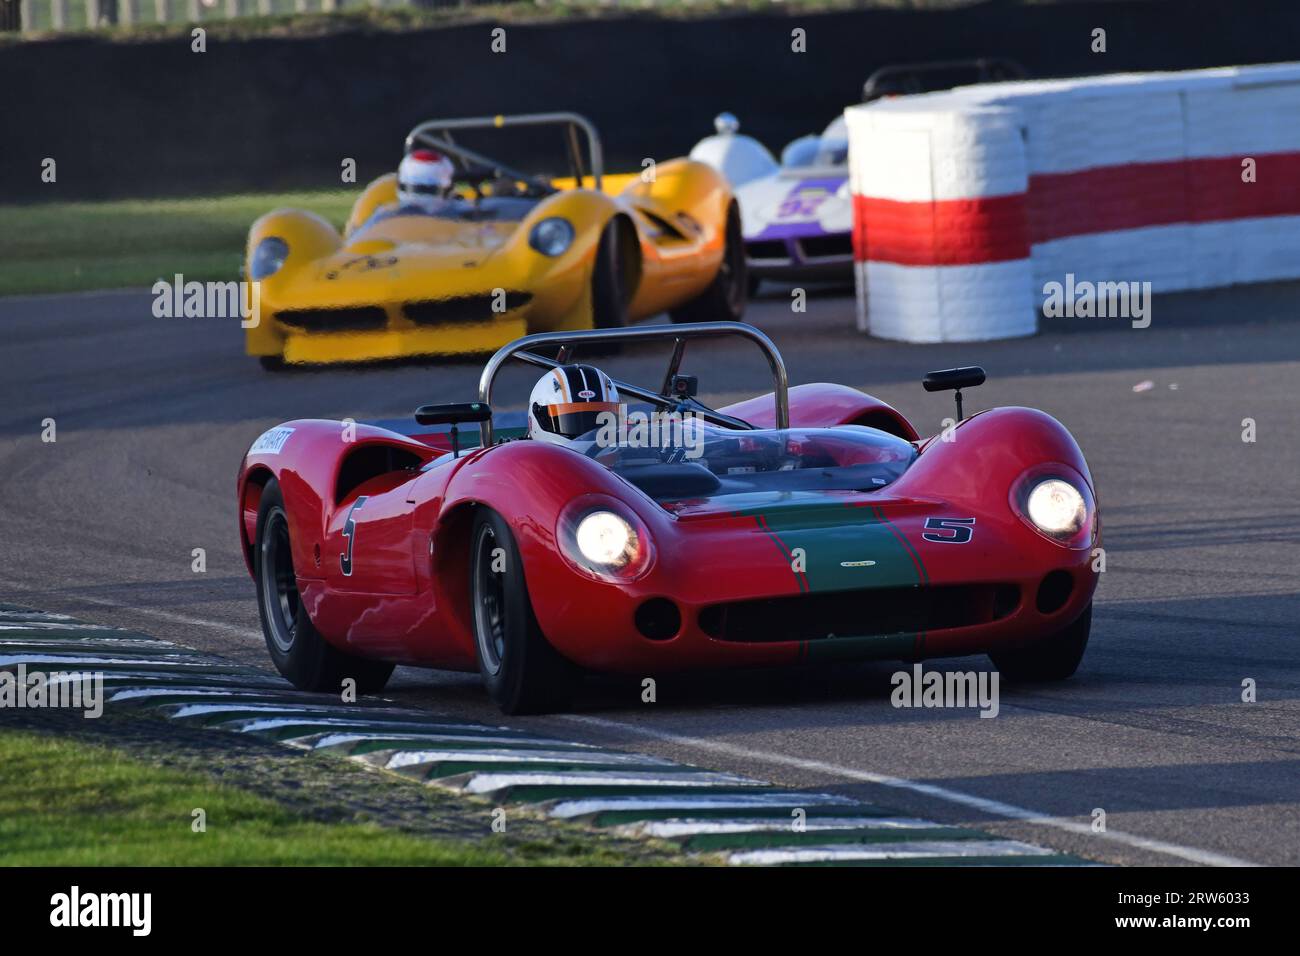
(408, 598)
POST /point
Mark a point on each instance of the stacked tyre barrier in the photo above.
(969, 203)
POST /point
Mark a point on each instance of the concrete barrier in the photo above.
(971, 204)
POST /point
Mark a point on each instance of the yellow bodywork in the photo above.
(412, 285)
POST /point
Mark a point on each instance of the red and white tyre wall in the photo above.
(967, 202)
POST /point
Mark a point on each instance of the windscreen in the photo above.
(709, 461)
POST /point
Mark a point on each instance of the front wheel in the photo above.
(609, 293)
(1052, 658)
(725, 298)
(522, 672)
(299, 653)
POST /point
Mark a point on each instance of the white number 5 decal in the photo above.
(949, 530)
(350, 532)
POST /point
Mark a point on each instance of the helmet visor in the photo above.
(572, 419)
(423, 189)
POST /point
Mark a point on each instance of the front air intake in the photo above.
(861, 613)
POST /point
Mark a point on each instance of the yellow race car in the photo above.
(506, 253)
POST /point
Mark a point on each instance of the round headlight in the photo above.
(1056, 507)
(604, 538)
(551, 237)
(267, 258)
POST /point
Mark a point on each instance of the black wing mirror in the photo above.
(457, 413)
(954, 378)
(453, 414)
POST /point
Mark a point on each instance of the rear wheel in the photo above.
(1052, 658)
(297, 649)
(522, 672)
(724, 300)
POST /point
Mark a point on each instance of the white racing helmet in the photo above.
(424, 179)
(568, 402)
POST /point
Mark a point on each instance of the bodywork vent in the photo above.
(357, 319)
(860, 613)
(462, 308)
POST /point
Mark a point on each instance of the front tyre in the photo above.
(306, 659)
(1052, 658)
(522, 672)
(725, 298)
(609, 292)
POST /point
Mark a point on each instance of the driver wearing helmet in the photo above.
(570, 401)
(424, 181)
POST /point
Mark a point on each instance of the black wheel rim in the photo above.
(489, 603)
(279, 585)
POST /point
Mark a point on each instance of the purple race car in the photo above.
(797, 214)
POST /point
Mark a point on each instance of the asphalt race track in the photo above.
(1200, 593)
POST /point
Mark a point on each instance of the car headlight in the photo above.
(1056, 501)
(551, 237)
(1056, 507)
(603, 538)
(267, 258)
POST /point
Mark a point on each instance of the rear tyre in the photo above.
(1052, 658)
(724, 300)
(306, 659)
(522, 672)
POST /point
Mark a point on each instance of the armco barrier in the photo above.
(967, 203)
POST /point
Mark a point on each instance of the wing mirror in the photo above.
(954, 378)
(453, 414)
(683, 386)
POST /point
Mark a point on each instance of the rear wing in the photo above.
(439, 134)
(907, 78)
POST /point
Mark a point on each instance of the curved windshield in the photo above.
(833, 153)
(701, 460)
(456, 208)
(833, 149)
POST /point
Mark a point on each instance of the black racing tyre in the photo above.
(271, 363)
(1053, 658)
(306, 659)
(609, 293)
(522, 672)
(725, 298)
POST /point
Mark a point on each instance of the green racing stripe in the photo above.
(831, 546)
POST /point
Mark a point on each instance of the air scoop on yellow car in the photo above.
(502, 254)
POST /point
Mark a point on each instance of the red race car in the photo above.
(616, 528)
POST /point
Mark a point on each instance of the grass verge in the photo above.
(74, 803)
(78, 246)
